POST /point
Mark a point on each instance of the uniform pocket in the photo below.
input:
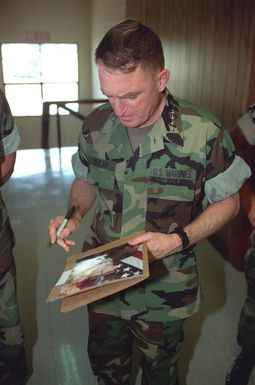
(102, 175)
(170, 197)
(101, 172)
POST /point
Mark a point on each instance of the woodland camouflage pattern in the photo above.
(12, 354)
(156, 188)
(6, 128)
(110, 349)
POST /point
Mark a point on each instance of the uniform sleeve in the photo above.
(6, 120)
(80, 167)
(226, 172)
(9, 133)
(92, 122)
(12, 142)
(228, 182)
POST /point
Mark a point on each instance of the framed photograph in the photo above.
(100, 272)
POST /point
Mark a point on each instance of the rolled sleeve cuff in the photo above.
(228, 182)
(80, 170)
(12, 142)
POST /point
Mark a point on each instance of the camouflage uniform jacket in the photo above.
(155, 188)
(9, 142)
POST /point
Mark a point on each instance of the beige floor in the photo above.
(56, 342)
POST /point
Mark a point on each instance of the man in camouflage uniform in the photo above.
(148, 158)
(243, 135)
(12, 354)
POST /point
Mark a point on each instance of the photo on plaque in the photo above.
(99, 272)
(120, 263)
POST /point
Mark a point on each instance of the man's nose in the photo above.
(119, 106)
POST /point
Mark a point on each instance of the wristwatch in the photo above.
(183, 235)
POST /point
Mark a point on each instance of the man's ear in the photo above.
(163, 78)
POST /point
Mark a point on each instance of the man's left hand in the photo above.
(159, 245)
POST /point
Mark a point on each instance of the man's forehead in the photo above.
(124, 91)
(117, 83)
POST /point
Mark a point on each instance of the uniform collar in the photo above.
(167, 128)
(171, 116)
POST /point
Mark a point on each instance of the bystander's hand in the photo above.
(251, 213)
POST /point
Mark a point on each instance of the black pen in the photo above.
(67, 217)
(63, 224)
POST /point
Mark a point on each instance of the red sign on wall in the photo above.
(37, 36)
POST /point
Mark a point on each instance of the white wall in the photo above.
(79, 21)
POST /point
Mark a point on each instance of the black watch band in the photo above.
(183, 235)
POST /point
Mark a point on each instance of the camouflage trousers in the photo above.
(246, 326)
(12, 353)
(111, 349)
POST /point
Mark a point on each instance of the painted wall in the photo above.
(76, 21)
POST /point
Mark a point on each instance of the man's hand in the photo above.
(72, 226)
(159, 245)
(82, 196)
(210, 220)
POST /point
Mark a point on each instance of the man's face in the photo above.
(134, 96)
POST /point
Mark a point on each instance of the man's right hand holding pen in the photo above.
(61, 227)
(82, 196)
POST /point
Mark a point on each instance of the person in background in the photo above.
(243, 135)
(148, 159)
(12, 352)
